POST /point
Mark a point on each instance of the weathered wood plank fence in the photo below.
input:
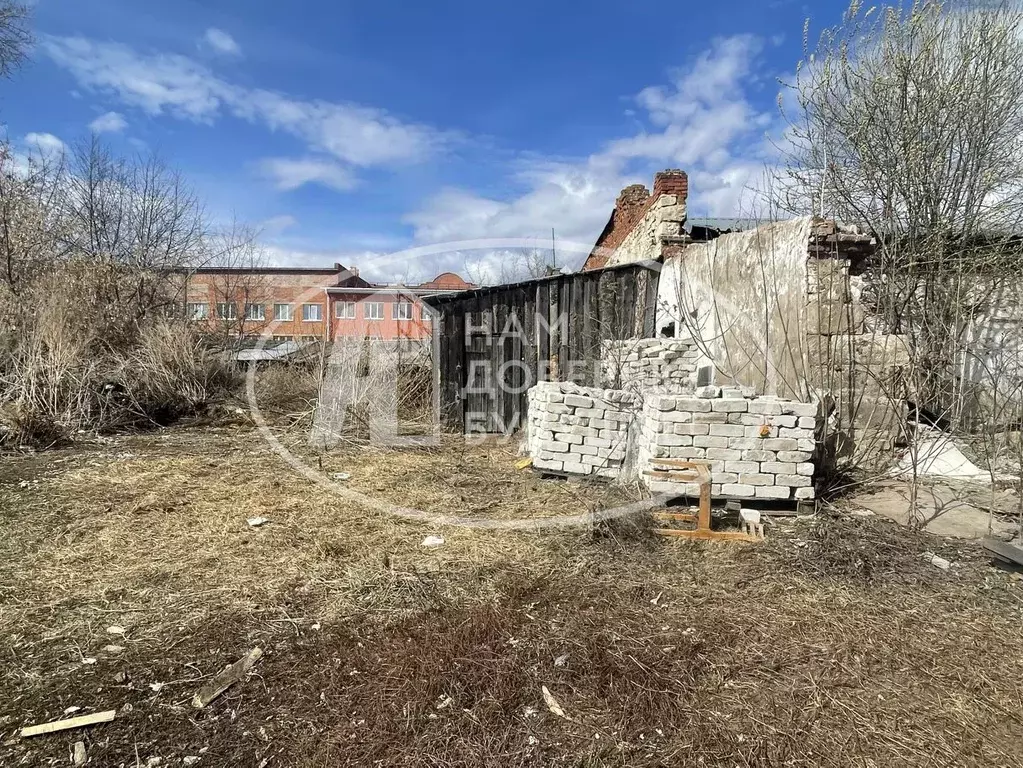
(497, 341)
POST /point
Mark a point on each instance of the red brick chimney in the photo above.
(671, 182)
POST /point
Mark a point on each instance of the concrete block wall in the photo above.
(757, 447)
(580, 430)
(649, 365)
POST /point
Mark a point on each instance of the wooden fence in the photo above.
(498, 341)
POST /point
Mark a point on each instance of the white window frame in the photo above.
(397, 310)
(227, 310)
(288, 314)
(378, 310)
(255, 312)
(310, 338)
(283, 338)
(198, 310)
(344, 310)
(307, 310)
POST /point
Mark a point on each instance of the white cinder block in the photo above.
(778, 468)
(805, 468)
(568, 437)
(724, 454)
(708, 441)
(554, 446)
(794, 481)
(727, 430)
(794, 456)
(736, 489)
(729, 406)
(780, 444)
(773, 492)
(742, 467)
(804, 493)
(759, 479)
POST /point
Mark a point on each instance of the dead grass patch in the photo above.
(660, 652)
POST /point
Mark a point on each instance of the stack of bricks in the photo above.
(649, 365)
(757, 447)
(580, 430)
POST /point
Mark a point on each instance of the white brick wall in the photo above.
(580, 430)
(756, 447)
(649, 365)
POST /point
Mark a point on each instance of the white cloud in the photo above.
(275, 225)
(175, 85)
(292, 173)
(221, 42)
(702, 120)
(111, 122)
(44, 143)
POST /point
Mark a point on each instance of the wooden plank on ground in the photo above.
(1003, 550)
(226, 679)
(71, 722)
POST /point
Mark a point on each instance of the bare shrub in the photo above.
(91, 332)
(288, 389)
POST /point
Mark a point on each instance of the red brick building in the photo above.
(643, 221)
(310, 304)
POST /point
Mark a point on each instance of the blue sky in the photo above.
(348, 130)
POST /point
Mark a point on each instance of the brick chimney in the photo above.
(671, 182)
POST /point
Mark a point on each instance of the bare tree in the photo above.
(511, 266)
(15, 37)
(240, 288)
(907, 120)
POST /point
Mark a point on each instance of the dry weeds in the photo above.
(832, 644)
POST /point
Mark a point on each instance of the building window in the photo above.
(282, 312)
(311, 313)
(255, 312)
(282, 338)
(198, 310)
(402, 310)
(375, 310)
(344, 310)
(227, 311)
(310, 338)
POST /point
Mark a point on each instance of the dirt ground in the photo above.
(129, 577)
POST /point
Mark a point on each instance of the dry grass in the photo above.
(832, 644)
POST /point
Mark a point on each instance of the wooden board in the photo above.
(72, 722)
(226, 679)
(1003, 551)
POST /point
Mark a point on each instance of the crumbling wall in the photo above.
(580, 430)
(776, 308)
(650, 365)
(742, 297)
(663, 222)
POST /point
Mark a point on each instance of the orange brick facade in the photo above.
(304, 304)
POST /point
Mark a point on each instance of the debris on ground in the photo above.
(64, 725)
(938, 562)
(255, 522)
(941, 457)
(78, 754)
(1008, 553)
(552, 703)
(116, 630)
(432, 541)
(226, 679)
(340, 476)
